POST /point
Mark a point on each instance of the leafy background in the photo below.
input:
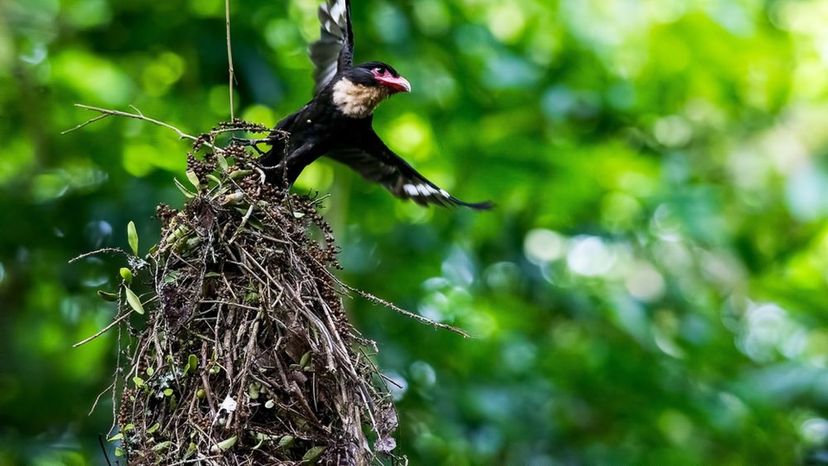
(651, 290)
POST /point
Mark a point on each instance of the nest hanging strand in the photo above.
(247, 356)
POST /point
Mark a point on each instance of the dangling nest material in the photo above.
(247, 356)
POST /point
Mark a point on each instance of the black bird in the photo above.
(337, 122)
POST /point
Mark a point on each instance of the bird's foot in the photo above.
(254, 143)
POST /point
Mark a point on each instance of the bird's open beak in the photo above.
(396, 84)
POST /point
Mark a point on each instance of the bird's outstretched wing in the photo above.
(334, 50)
(376, 162)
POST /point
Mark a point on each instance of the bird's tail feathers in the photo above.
(486, 205)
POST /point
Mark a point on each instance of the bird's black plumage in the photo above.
(337, 122)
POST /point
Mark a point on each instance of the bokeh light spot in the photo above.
(260, 114)
(159, 75)
(589, 256)
(315, 177)
(542, 246)
(207, 8)
(644, 282)
(815, 430)
(87, 13)
(411, 135)
(507, 21)
(92, 78)
(673, 131)
(432, 16)
(423, 374)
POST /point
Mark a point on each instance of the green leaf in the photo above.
(134, 301)
(192, 364)
(225, 445)
(138, 381)
(191, 176)
(254, 222)
(168, 392)
(191, 449)
(119, 452)
(171, 277)
(181, 232)
(128, 427)
(313, 454)
(154, 428)
(192, 243)
(214, 179)
(253, 390)
(116, 437)
(239, 174)
(107, 296)
(261, 438)
(222, 161)
(186, 192)
(126, 274)
(132, 237)
(303, 363)
(286, 441)
(162, 446)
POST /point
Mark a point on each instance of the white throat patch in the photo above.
(357, 100)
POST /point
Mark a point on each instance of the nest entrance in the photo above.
(247, 356)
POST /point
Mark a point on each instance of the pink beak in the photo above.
(396, 84)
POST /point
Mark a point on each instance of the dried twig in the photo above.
(98, 398)
(409, 314)
(138, 115)
(96, 252)
(231, 71)
(103, 330)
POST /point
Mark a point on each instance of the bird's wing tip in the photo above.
(486, 205)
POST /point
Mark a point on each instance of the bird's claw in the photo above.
(254, 143)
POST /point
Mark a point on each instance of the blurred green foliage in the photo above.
(651, 290)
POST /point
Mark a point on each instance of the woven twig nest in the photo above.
(245, 354)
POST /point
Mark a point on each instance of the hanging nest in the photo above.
(244, 354)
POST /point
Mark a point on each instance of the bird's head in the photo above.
(360, 89)
(378, 74)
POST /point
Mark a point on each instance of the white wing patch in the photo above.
(410, 189)
(325, 53)
(424, 190)
(378, 163)
(337, 11)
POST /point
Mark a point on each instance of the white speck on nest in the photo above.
(229, 404)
